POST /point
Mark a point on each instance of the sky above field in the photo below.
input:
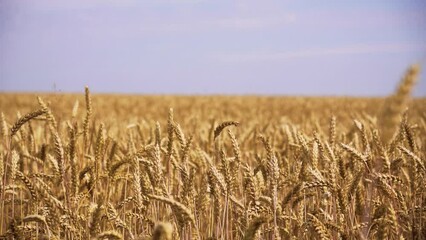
(356, 48)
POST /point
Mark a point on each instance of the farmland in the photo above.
(89, 166)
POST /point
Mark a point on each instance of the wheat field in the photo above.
(88, 166)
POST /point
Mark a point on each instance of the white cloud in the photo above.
(180, 1)
(319, 52)
(52, 5)
(150, 27)
(253, 22)
(235, 23)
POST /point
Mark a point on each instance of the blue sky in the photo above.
(289, 47)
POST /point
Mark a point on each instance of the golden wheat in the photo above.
(308, 168)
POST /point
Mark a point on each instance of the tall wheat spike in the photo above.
(397, 103)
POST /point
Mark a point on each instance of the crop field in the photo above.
(88, 166)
